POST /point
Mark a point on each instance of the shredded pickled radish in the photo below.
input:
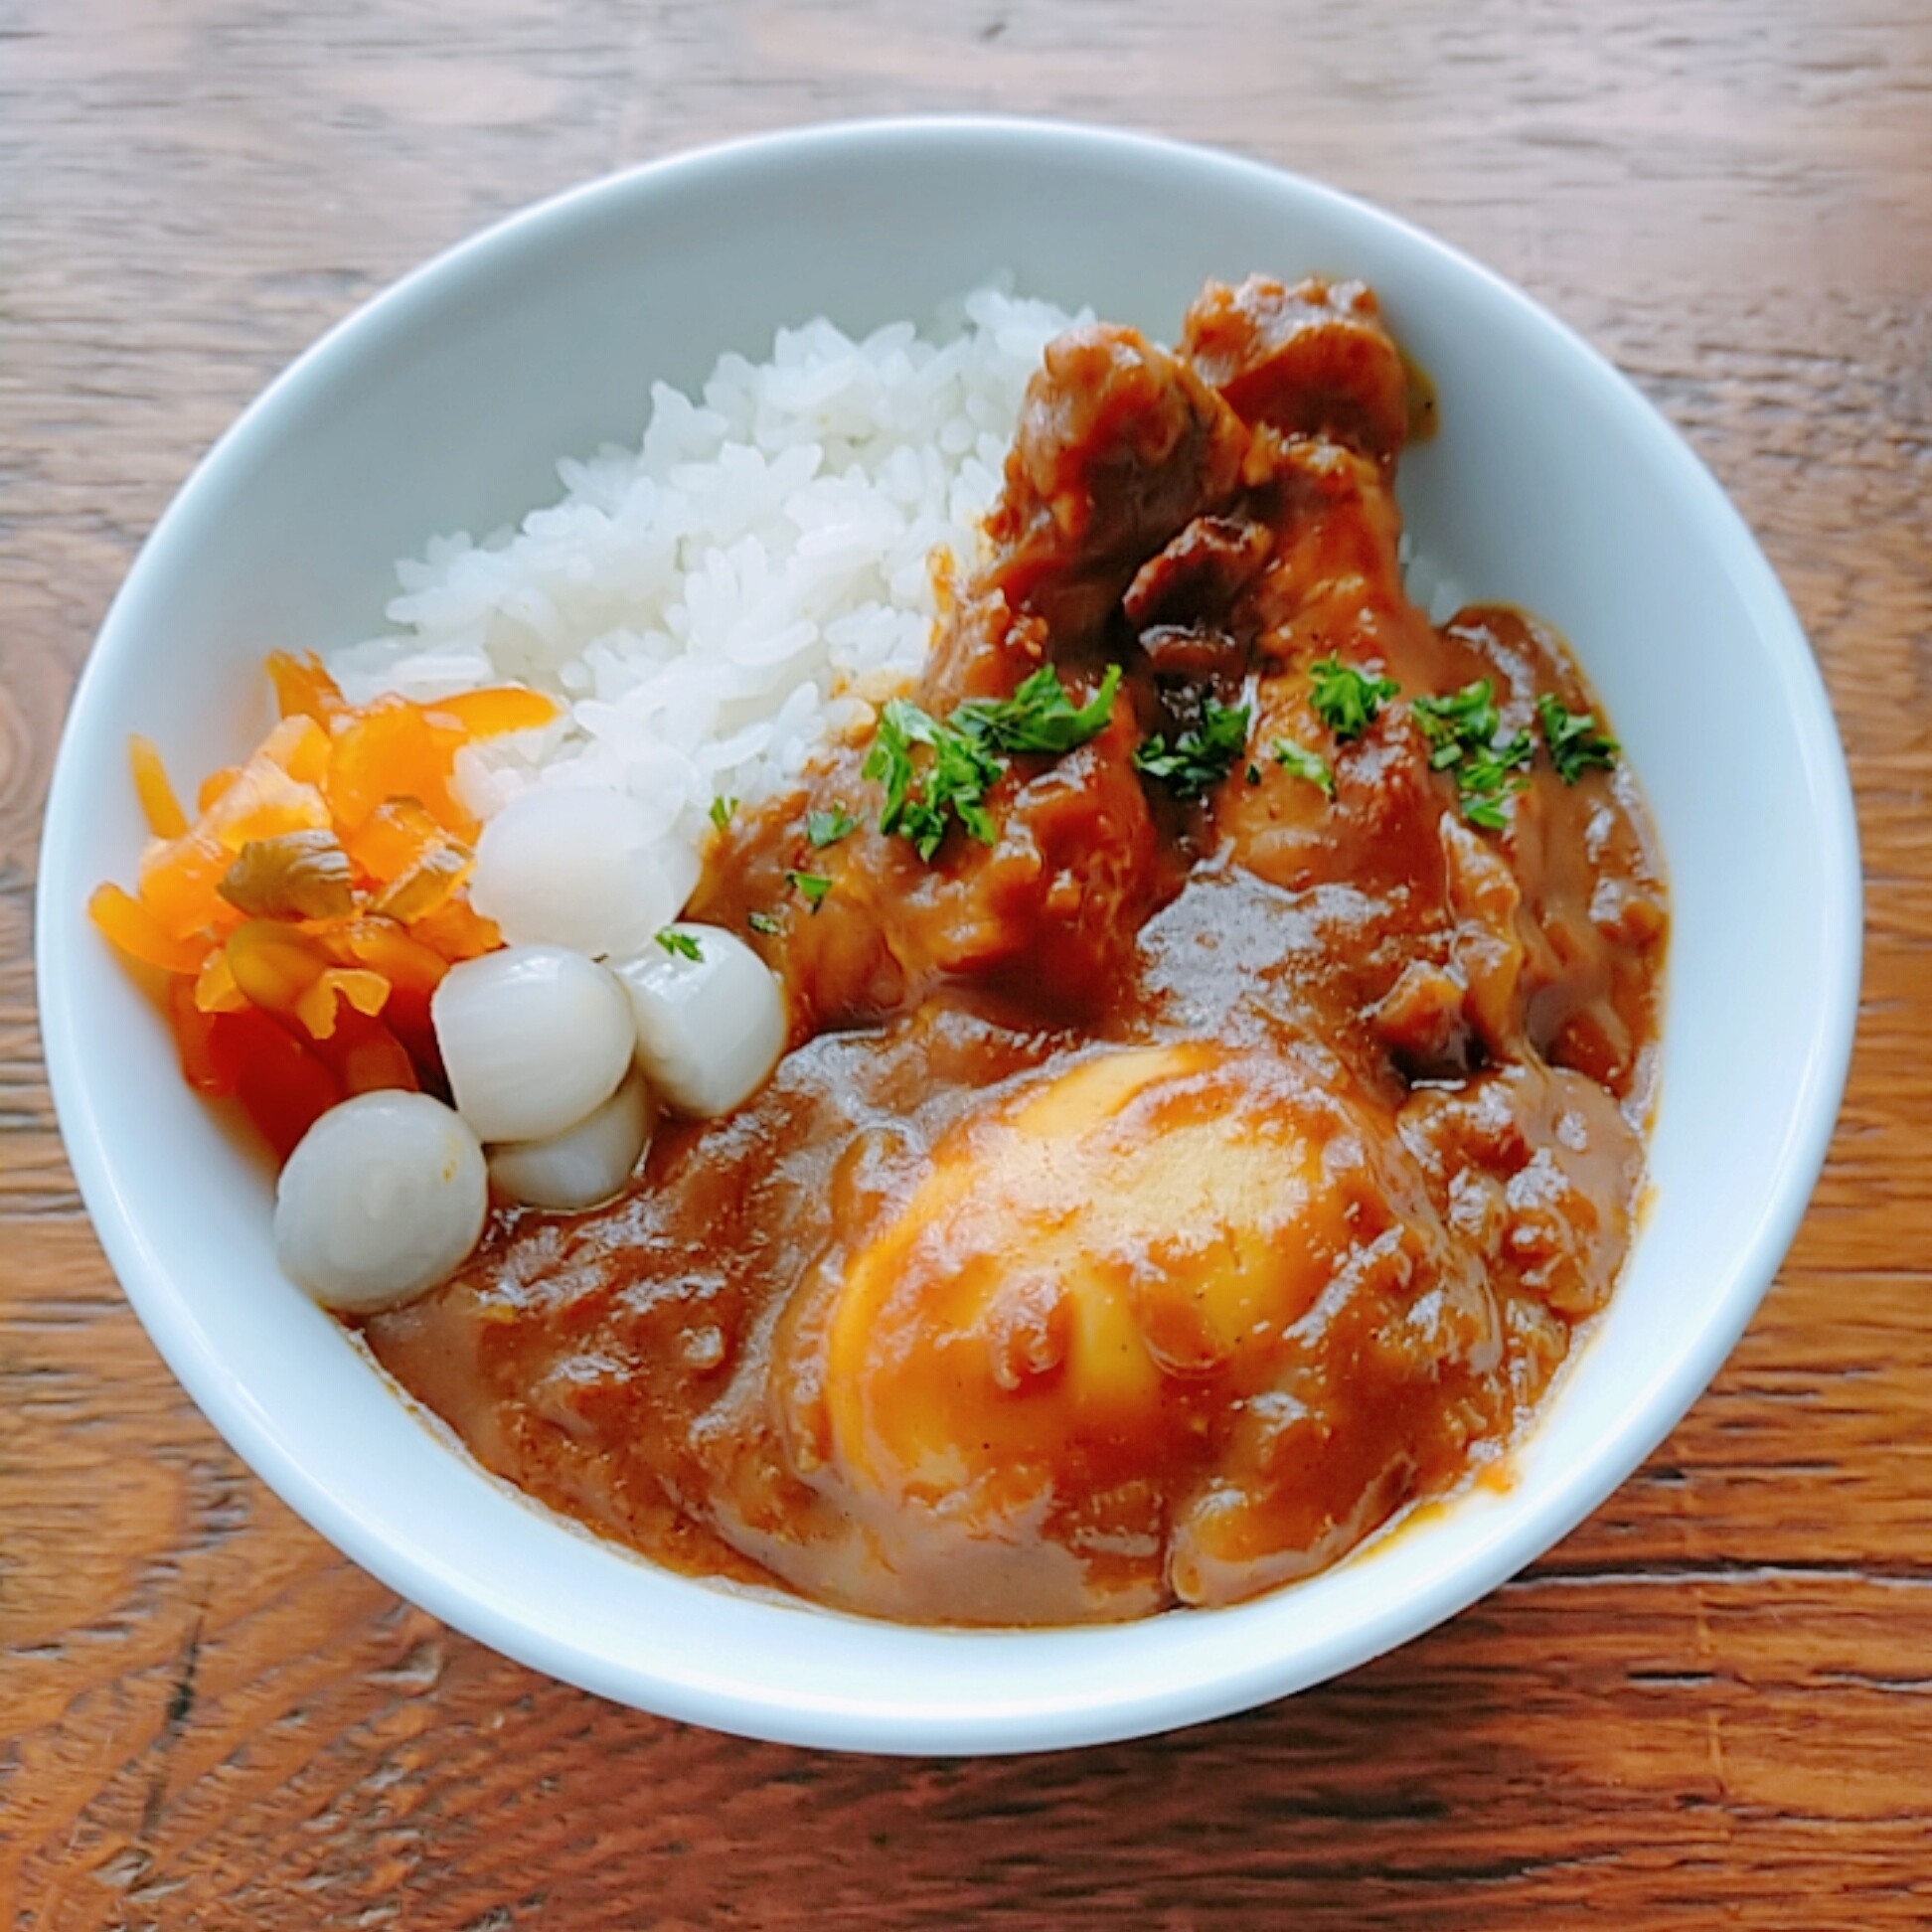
(307, 911)
(159, 805)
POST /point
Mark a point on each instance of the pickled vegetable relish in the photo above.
(307, 911)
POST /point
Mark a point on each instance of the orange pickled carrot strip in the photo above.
(367, 992)
(215, 990)
(428, 885)
(303, 753)
(159, 805)
(386, 949)
(273, 963)
(195, 1039)
(264, 803)
(393, 750)
(178, 881)
(129, 924)
(180, 877)
(390, 751)
(396, 836)
(497, 710)
(304, 689)
(457, 930)
(214, 786)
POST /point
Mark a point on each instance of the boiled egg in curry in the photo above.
(1066, 1325)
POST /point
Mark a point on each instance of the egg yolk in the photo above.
(1077, 1270)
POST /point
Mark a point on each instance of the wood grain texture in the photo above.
(1710, 1706)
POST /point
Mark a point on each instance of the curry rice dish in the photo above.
(1222, 1008)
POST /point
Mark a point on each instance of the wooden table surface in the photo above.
(1711, 1704)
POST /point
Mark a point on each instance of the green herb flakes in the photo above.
(1575, 744)
(902, 726)
(926, 796)
(953, 786)
(681, 946)
(765, 922)
(1463, 722)
(1039, 716)
(1486, 780)
(1461, 729)
(720, 811)
(1199, 759)
(1346, 700)
(1490, 810)
(828, 828)
(810, 887)
(1304, 764)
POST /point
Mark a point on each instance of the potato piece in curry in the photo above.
(1206, 1123)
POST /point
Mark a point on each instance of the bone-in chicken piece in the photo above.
(1312, 359)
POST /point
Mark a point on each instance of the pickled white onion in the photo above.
(578, 866)
(710, 1029)
(382, 1198)
(584, 1164)
(532, 1038)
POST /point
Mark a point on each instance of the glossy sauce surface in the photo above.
(1161, 1194)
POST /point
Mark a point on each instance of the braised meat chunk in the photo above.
(1120, 447)
(1310, 361)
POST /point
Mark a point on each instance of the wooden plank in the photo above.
(1713, 1705)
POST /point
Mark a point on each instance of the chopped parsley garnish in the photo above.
(923, 797)
(810, 887)
(1039, 716)
(1488, 779)
(1303, 763)
(902, 726)
(955, 781)
(1346, 700)
(721, 809)
(765, 922)
(1198, 759)
(1463, 722)
(1486, 770)
(1461, 729)
(1575, 743)
(1488, 810)
(681, 946)
(828, 828)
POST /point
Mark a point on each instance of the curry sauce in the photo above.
(1205, 1142)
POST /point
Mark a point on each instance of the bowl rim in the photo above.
(923, 1723)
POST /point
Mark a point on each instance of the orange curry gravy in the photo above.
(1156, 1199)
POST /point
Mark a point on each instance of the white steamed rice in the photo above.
(714, 606)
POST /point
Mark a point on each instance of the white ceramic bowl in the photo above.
(443, 403)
